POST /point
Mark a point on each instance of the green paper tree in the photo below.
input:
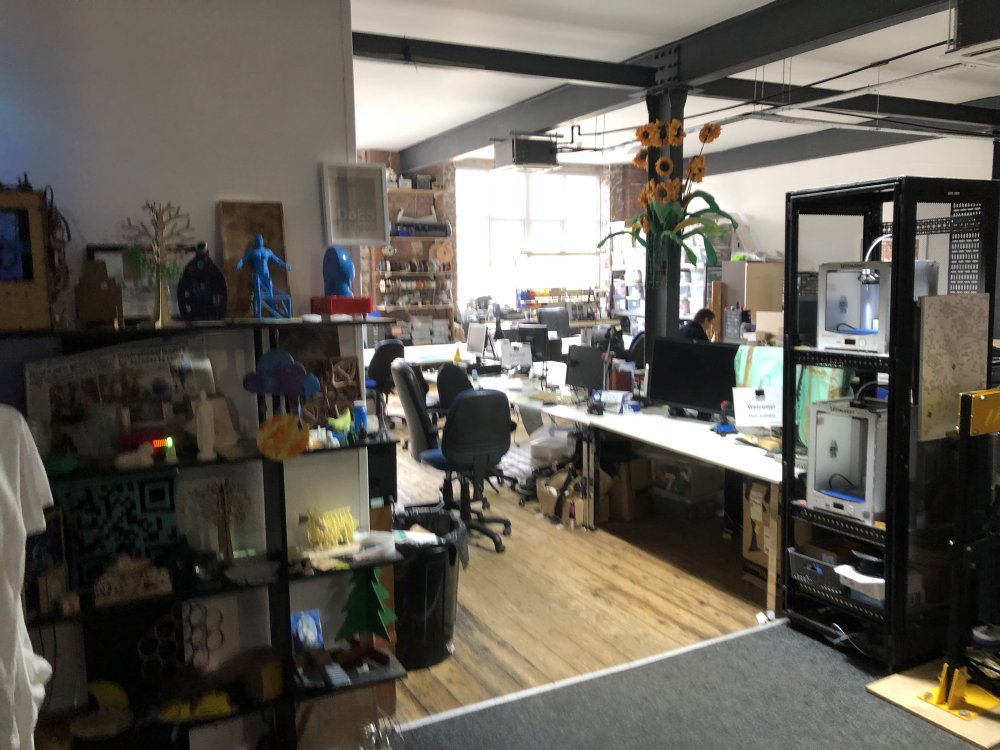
(366, 612)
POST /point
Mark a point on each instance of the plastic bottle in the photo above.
(475, 379)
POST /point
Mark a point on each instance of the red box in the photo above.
(340, 305)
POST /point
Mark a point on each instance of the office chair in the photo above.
(637, 350)
(451, 381)
(475, 437)
(555, 319)
(379, 378)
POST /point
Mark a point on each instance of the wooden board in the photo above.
(239, 223)
(904, 689)
(954, 357)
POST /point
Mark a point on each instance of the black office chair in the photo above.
(637, 350)
(475, 437)
(379, 378)
(451, 381)
(423, 433)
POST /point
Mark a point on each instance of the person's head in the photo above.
(705, 317)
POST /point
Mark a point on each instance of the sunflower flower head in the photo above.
(645, 224)
(675, 133)
(644, 134)
(673, 189)
(640, 159)
(664, 166)
(709, 132)
(696, 168)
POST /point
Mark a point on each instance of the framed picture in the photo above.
(24, 284)
(355, 210)
(140, 295)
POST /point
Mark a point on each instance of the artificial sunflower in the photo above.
(644, 134)
(675, 133)
(709, 132)
(645, 225)
(673, 189)
(664, 166)
(640, 159)
(661, 192)
(644, 197)
(696, 168)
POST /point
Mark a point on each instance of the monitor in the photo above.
(476, 343)
(556, 319)
(692, 374)
(585, 368)
(537, 336)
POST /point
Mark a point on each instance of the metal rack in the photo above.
(908, 626)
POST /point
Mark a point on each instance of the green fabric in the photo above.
(761, 367)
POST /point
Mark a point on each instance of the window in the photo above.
(516, 228)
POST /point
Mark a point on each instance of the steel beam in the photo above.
(772, 32)
(832, 142)
(864, 105)
(574, 69)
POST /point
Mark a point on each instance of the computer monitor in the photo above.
(476, 343)
(537, 335)
(692, 374)
(585, 368)
(556, 319)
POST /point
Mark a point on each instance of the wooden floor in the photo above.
(560, 603)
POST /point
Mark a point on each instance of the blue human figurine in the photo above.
(338, 272)
(263, 297)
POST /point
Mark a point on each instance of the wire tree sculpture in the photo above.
(165, 234)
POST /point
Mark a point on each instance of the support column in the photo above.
(663, 284)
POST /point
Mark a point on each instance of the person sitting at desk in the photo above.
(699, 329)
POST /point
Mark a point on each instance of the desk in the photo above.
(428, 354)
(688, 437)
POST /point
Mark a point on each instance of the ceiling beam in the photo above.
(832, 142)
(865, 105)
(575, 69)
(772, 32)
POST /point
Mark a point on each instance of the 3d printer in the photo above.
(846, 448)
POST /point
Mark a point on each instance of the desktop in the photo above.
(691, 375)
(585, 368)
(476, 339)
(537, 336)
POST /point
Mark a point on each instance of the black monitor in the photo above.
(556, 319)
(585, 368)
(692, 374)
(537, 336)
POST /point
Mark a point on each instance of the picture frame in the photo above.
(355, 204)
(24, 268)
(140, 295)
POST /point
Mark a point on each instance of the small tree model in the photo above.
(225, 503)
(366, 616)
(167, 232)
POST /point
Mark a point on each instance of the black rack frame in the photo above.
(897, 641)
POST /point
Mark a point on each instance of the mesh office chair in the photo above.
(379, 378)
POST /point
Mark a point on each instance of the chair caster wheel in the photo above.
(506, 530)
(521, 502)
(499, 547)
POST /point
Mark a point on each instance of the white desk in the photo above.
(688, 437)
(428, 354)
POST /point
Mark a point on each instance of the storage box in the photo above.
(684, 478)
(630, 498)
(340, 305)
(811, 566)
(665, 506)
(547, 490)
(756, 522)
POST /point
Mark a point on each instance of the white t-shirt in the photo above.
(24, 494)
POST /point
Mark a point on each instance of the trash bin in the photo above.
(427, 588)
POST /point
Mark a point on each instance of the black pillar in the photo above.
(663, 284)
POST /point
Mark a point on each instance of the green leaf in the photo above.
(713, 207)
(691, 257)
(711, 258)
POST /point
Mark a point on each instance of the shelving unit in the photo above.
(912, 541)
(418, 277)
(263, 605)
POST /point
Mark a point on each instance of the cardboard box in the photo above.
(772, 324)
(630, 498)
(756, 522)
(684, 478)
(547, 499)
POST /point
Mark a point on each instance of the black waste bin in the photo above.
(427, 589)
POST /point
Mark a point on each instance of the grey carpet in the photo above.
(770, 689)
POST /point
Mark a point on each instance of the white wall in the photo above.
(116, 102)
(758, 196)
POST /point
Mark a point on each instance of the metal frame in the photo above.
(899, 641)
(772, 32)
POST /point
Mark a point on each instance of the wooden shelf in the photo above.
(448, 237)
(417, 307)
(416, 191)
